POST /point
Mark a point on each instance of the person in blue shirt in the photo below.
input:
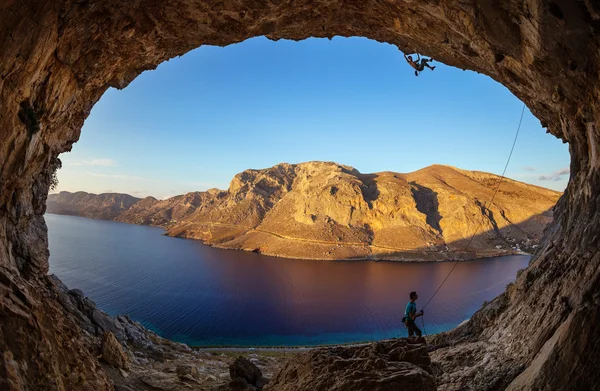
(410, 314)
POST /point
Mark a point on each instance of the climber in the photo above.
(419, 66)
(410, 314)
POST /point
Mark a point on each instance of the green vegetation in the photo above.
(54, 166)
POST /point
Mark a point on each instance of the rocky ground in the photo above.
(399, 364)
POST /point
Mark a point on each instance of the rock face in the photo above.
(401, 364)
(323, 210)
(112, 352)
(132, 357)
(58, 57)
(43, 345)
(102, 206)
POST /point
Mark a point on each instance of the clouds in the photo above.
(555, 176)
(102, 162)
(528, 168)
(117, 176)
(166, 197)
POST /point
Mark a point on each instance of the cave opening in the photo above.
(60, 58)
(163, 123)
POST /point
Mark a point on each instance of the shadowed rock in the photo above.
(245, 375)
(427, 203)
(401, 364)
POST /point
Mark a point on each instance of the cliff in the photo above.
(324, 210)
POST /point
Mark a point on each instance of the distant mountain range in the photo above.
(324, 210)
(106, 206)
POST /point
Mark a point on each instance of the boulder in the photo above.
(240, 384)
(244, 373)
(187, 372)
(112, 351)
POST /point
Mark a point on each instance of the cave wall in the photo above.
(59, 56)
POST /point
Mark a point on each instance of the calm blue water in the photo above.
(204, 296)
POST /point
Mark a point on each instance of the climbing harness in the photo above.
(481, 221)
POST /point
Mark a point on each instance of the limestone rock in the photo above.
(112, 351)
(187, 372)
(65, 357)
(401, 364)
(59, 57)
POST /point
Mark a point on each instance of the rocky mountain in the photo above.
(324, 210)
(105, 206)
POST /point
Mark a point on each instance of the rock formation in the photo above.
(37, 330)
(105, 206)
(321, 210)
(131, 357)
(112, 352)
(58, 58)
(401, 364)
(245, 375)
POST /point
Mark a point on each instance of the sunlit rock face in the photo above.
(325, 210)
(58, 57)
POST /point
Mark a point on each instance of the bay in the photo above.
(202, 296)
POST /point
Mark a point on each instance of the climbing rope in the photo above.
(483, 218)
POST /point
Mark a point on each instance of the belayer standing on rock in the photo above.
(419, 66)
(410, 314)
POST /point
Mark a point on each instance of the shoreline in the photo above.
(295, 348)
(303, 348)
(373, 259)
(472, 256)
(234, 348)
(457, 258)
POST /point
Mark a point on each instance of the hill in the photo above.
(324, 210)
(105, 206)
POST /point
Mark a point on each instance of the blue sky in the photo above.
(199, 119)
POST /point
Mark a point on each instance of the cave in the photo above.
(59, 57)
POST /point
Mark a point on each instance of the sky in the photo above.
(199, 119)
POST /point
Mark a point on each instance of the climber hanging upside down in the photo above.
(419, 66)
